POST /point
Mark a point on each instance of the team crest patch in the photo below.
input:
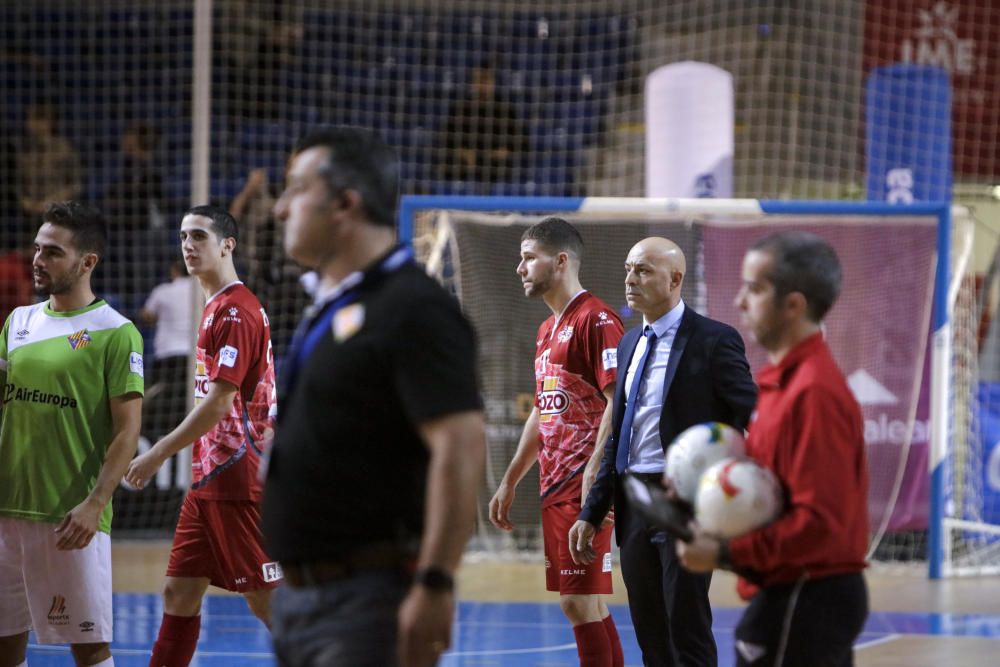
(565, 334)
(348, 321)
(79, 339)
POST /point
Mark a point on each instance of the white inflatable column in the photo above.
(689, 131)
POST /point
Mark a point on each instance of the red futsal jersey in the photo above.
(576, 358)
(234, 346)
(809, 430)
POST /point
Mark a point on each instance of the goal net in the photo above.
(145, 107)
(880, 331)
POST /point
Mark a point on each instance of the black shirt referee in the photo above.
(371, 486)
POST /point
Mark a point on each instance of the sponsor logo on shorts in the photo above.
(548, 563)
(272, 572)
(57, 612)
(572, 571)
(87, 626)
(609, 358)
(606, 566)
(240, 580)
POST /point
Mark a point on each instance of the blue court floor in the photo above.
(487, 633)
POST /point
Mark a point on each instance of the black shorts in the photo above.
(810, 624)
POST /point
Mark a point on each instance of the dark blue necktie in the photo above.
(625, 434)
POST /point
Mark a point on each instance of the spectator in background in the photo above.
(252, 209)
(16, 282)
(10, 208)
(483, 140)
(140, 189)
(133, 204)
(48, 166)
(269, 273)
(170, 307)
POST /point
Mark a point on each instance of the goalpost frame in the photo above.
(410, 205)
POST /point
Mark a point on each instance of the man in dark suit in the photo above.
(682, 369)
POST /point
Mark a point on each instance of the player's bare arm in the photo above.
(457, 445)
(216, 404)
(603, 431)
(524, 458)
(80, 524)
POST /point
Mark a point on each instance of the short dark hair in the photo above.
(805, 263)
(147, 135)
(359, 160)
(46, 111)
(89, 228)
(223, 224)
(556, 235)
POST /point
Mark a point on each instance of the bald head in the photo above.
(654, 273)
(658, 248)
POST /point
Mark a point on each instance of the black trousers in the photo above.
(809, 624)
(669, 606)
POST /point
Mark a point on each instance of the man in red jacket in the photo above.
(803, 572)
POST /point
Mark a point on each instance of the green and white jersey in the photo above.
(62, 369)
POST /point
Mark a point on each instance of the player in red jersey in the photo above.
(218, 539)
(575, 369)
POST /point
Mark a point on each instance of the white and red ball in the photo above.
(695, 450)
(736, 496)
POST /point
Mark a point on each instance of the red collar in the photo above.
(776, 375)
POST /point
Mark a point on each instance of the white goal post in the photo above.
(902, 280)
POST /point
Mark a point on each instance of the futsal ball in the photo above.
(735, 496)
(697, 448)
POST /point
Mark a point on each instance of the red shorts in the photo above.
(221, 540)
(561, 573)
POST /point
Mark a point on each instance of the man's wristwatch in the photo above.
(724, 559)
(434, 579)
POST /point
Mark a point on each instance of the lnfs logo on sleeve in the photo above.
(227, 356)
(135, 365)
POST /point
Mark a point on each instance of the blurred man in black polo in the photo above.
(378, 392)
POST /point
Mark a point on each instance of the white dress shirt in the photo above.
(645, 451)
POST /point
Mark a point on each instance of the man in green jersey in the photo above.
(71, 369)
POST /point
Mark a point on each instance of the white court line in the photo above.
(45, 648)
(513, 651)
(876, 642)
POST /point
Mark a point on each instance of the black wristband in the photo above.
(724, 560)
(434, 579)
